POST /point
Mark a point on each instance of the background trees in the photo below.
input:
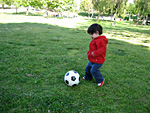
(100, 6)
(16, 3)
(3, 2)
(60, 5)
(86, 5)
(141, 7)
(115, 8)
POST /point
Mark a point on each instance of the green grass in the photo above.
(48, 52)
(24, 13)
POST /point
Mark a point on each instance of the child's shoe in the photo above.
(100, 84)
(83, 78)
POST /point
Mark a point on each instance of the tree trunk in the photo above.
(47, 13)
(115, 15)
(92, 14)
(147, 18)
(16, 10)
(99, 14)
(27, 13)
(88, 13)
(137, 21)
(2, 6)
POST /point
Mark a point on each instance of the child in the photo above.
(96, 54)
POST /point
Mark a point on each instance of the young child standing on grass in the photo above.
(96, 54)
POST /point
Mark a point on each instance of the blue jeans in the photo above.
(92, 70)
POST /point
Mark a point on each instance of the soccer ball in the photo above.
(72, 78)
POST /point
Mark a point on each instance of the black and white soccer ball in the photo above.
(72, 78)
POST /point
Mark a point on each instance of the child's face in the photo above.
(94, 35)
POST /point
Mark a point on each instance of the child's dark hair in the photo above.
(94, 28)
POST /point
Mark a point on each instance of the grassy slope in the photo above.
(48, 52)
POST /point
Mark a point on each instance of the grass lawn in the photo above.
(34, 58)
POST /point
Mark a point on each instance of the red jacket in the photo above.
(98, 47)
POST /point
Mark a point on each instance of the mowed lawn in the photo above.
(34, 58)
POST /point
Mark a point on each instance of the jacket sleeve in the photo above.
(101, 48)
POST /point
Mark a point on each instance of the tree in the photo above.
(66, 5)
(2, 2)
(26, 3)
(36, 4)
(50, 5)
(8, 2)
(116, 7)
(16, 3)
(142, 7)
(100, 6)
(58, 5)
(86, 5)
(120, 6)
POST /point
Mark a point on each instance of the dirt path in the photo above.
(66, 22)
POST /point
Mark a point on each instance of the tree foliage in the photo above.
(113, 7)
(86, 5)
(16, 3)
(36, 3)
(141, 7)
(8, 2)
(99, 5)
(66, 5)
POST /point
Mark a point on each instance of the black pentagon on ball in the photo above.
(67, 82)
(73, 78)
(74, 84)
(79, 78)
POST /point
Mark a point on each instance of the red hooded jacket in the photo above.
(98, 46)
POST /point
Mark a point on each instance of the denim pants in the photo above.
(92, 70)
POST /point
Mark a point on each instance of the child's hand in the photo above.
(93, 54)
